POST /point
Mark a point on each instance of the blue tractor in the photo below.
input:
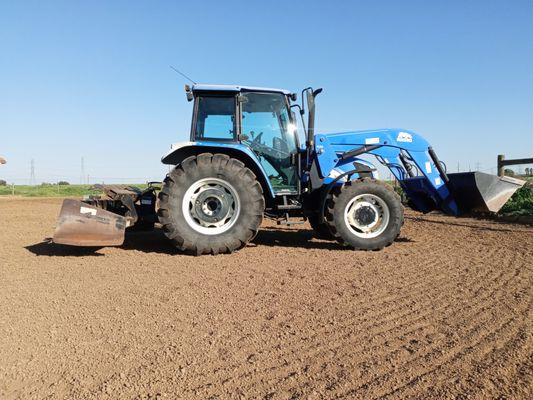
(244, 162)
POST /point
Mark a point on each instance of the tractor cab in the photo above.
(259, 118)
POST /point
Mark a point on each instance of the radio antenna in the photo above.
(182, 74)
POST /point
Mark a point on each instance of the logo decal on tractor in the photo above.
(373, 140)
(404, 137)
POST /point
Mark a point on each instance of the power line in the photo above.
(82, 176)
(32, 173)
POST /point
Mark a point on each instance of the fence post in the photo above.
(12, 189)
(501, 171)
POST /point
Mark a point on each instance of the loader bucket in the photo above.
(480, 192)
(81, 224)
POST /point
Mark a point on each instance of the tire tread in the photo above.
(191, 167)
(330, 207)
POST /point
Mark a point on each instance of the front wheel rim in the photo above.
(367, 216)
(211, 206)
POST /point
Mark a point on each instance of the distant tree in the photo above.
(3, 183)
(63, 183)
(46, 184)
(508, 172)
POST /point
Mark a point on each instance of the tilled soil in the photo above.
(445, 312)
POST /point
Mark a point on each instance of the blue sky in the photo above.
(92, 79)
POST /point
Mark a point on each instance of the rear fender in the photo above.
(182, 150)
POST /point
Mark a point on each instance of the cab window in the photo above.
(215, 118)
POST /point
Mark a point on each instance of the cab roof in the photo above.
(199, 87)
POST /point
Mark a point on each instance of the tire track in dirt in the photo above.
(413, 360)
(495, 280)
(244, 375)
(475, 315)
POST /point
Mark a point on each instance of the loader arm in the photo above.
(415, 165)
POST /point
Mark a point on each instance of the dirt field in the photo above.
(445, 312)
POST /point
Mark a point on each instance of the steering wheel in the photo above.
(257, 139)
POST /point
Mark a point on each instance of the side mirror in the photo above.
(293, 96)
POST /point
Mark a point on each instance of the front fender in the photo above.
(181, 150)
(343, 167)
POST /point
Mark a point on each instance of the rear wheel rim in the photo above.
(211, 206)
(367, 216)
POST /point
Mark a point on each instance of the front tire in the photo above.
(365, 214)
(211, 204)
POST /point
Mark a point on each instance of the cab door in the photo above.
(267, 129)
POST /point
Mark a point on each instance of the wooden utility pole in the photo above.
(501, 158)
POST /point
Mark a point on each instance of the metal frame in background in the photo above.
(502, 162)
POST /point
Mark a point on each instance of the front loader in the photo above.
(244, 162)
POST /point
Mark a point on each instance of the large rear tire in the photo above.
(211, 204)
(365, 214)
